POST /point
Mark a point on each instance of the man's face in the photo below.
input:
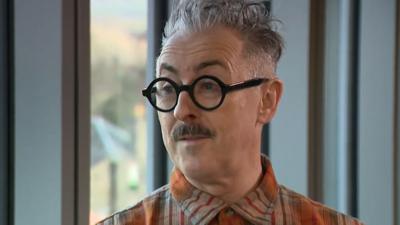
(234, 128)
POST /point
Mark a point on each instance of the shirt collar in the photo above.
(201, 207)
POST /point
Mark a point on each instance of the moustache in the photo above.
(183, 130)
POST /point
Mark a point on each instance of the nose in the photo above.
(185, 110)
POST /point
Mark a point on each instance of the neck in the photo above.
(234, 185)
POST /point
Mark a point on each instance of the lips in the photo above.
(192, 138)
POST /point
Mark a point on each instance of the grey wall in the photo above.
(376, 111)
(38, 112)
(340, 105)
(51, 95)
(288, 130)
(359, 152)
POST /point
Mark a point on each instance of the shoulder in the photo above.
(142, 212)
(303, 210)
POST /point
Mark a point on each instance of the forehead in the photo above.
(218, 47)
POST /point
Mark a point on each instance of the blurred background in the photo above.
(118, 122)
(78, 142)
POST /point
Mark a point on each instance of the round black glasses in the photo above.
(207, 92)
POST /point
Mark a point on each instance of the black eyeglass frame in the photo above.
(225, 88)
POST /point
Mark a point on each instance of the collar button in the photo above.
(229, 212)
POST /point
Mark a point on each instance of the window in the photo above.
(118, 123)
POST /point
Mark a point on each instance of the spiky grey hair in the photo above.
(249, 17)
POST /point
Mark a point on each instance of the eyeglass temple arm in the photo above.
(245, 84)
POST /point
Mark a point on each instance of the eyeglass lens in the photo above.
(205, 92)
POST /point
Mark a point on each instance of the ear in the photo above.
(271, 95)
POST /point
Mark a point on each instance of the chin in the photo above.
(193, 166)
(197, 173)
(194, 159)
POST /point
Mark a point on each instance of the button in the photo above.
(229, 212)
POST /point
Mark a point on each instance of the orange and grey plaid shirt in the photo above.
(180, 203)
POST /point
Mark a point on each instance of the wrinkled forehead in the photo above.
(192, 51)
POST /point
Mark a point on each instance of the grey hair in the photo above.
(249, 17)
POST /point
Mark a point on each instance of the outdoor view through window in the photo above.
(118, 123)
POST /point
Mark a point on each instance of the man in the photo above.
(215, 89)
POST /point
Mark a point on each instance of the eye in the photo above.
(167, 88)
(164, 89)
(207, 87)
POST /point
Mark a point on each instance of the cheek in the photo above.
(238, 117)
(166, 122)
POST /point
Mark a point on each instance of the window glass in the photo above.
(118, 123)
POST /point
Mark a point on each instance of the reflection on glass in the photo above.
(118, 127)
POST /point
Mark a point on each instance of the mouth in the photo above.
(192, 138)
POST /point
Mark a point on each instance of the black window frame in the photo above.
(5, 113)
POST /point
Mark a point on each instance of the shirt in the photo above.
(180, 203)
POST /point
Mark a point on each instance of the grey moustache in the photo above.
(191, 130)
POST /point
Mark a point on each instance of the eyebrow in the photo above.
(172, 69)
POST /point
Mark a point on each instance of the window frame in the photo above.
(5, 114)
(158, 163)
(51, 123)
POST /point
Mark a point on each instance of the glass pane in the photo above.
(118, 123)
